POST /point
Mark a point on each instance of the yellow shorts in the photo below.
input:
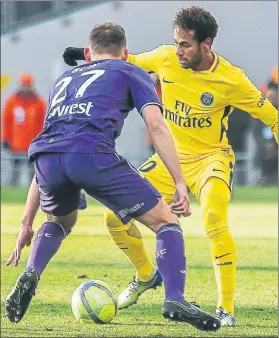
(219, 164)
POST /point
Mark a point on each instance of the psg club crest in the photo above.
(207, 99)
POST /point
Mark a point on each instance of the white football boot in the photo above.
(225, 317)
(136, 288)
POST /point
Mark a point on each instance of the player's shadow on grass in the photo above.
(153, 311)
(133, 316)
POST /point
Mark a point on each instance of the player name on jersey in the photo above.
(76, 108)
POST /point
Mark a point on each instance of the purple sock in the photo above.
(171, 260)
(48, 240)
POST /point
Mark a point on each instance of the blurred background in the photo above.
(34, 35)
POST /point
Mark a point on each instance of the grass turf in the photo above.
(89, 254)
(240, 194)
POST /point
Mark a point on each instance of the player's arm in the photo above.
(247, 97)
(73, 54)
(162, 141)
(149, 61)
(26, 232)
(148, 104)
(32, 204)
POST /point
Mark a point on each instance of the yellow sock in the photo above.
(129, 240)
(215, 197)
(223, 253)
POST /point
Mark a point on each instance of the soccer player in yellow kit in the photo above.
(199, 91)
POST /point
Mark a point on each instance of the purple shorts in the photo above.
(108, 178)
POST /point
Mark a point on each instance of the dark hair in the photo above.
(107, 37)
(197, 19)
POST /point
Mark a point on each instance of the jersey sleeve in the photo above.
(247, 97)
(149, 61)
(143, 90)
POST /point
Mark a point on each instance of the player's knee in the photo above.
(64, 227)
(66, 222)
(112, 222)
(216, 222)
(212, 216)
(215, 201)
(170, 227)
(215, 188)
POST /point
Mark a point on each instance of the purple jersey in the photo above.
(88, 105)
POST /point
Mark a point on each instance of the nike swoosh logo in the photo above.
(166, 81)
(217, 257)
(218, 170)
(187, 307)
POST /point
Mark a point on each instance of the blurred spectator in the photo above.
(266, 157)
(22, 120)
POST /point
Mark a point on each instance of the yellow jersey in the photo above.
(197, 103)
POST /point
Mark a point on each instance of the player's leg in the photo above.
(46, 243)
(48, 239)
(129, 240)
(212, 189)
(60, 200)
(214, 198)
(129, 195)
(171, 261)
(170, 258)
(128, 237)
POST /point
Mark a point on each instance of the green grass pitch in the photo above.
(88, 253)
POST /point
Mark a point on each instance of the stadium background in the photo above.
(33, 37)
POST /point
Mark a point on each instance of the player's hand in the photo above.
(181, 201)
(72, 54)
(24, 239)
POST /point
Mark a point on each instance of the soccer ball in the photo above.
(94, 301)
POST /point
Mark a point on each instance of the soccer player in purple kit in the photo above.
(76, 150)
